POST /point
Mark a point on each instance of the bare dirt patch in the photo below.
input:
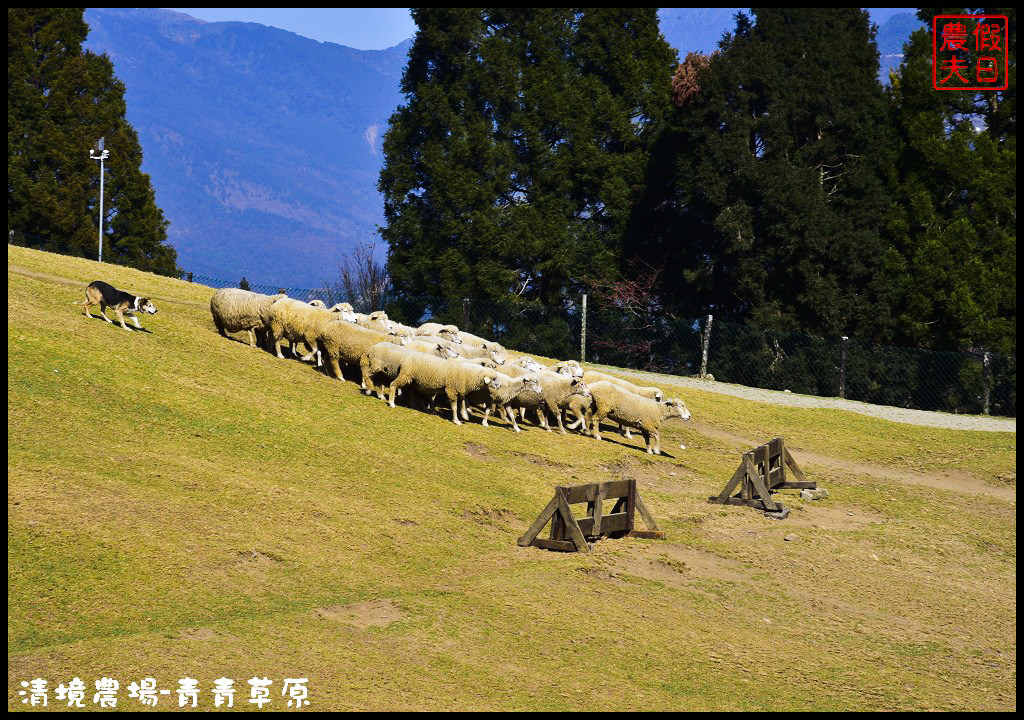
(832, 518)
(542, 461)
(200, 633)
(678, 566)
(497, 517)
(477, 451)
(366, 614)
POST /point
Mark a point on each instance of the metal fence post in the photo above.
(842, 367)
(465, 314)
(583, 331)
(706, 342)
(986, 364)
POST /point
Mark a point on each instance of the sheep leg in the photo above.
(542, 418)
(364, 367)
(453, 398)
(624, 429)
(313, 351)
(463, 411)
(252, 338)
(512, 417)
(335, 367)
(596, 429)
(647, 439)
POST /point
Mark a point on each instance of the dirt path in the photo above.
(774, 397)
(955, 480)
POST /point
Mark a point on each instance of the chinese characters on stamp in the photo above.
(970, 52)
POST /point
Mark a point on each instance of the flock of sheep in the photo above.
(436, 360)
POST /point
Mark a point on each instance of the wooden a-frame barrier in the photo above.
(569, 534)
(761, 472)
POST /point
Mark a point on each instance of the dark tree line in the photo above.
(60, 101)
(778, 183)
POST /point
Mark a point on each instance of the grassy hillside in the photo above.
(180, 505)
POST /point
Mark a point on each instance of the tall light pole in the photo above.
(98, 153)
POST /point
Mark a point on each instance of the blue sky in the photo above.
(361, 28)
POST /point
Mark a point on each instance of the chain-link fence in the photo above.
(958, 382)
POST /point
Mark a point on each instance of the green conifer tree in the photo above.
(511, 170)
(60, 101)
(777, 189)
(954, 211)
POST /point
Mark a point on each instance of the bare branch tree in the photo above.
(362, 280)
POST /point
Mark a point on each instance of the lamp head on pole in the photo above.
(98, 152)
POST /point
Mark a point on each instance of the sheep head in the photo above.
(674, 407)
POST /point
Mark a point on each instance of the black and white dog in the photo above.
(102, 294)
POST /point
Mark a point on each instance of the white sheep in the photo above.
(377, 320)
(472, 352)
(568, 367)
(431, 376)
(345, 310)
(296, 321)
(553, 397)
(317, 302)
(501, 392)
(647, 391)
(448, 332)
(626, 408)
(475, 340)
(345, 343)
(235, 310)
(382, 361)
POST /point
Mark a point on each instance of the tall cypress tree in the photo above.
(955, 215)
(60, 101)
(511, 170)
(774, 207)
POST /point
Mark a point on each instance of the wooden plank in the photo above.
(745, 503)
(779, 450)
(557, 527)
(539, 523)
(560, 545)
(619, 522)
(586, 493)
(760, 488)
(573, 529)
(598, 500)
(797, 472)
(730, 486)
(810, 485)
(761, 462)
(646, 514)
(631, 502)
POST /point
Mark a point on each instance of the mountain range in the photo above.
(264, 146)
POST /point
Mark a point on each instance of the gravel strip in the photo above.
(775, 397)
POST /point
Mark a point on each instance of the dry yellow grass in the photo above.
(181, 505)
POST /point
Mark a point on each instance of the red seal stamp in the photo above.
(970, 52)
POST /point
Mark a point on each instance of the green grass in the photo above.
(181, 505)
